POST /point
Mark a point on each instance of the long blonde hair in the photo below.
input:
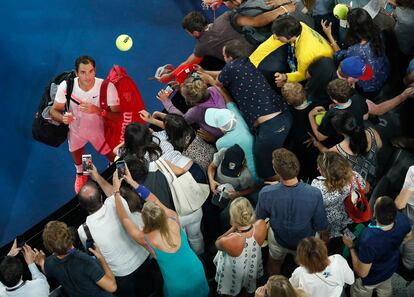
(155, 218)
(241, 212)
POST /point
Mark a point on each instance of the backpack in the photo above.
(130, 102)
(44, 128)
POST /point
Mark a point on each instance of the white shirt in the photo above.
(37, 287)
(328, 283)
(86, 123)
(120, 251)
(409, 184)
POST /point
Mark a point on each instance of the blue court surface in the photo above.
(43, 38)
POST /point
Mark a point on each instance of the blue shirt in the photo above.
(379, 64)
(240, 135)
(77, 273)
(381, 248)
(250, 90)
(295, 212)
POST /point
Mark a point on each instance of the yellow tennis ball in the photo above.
(319, 117)
(124, 42)
(340, 11)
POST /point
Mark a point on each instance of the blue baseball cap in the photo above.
(356, 67)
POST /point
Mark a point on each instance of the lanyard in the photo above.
(291, 59)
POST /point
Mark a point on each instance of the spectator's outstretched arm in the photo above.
(103, 183)
(319, 136)
(192, 59)
(29, 257)
(265, 18)
(407, 190)
(107, 282)
(386, 106)
(133, 231)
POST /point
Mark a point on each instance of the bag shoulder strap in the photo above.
(69, 89)
(103, 93)
(361, 191)
(87, 232)
(164, 167)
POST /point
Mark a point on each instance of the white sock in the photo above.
(79, 168)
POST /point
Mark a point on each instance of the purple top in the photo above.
(196, 113)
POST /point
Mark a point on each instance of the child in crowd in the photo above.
(343, 99)
(295, 96)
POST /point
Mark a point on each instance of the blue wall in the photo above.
(41, 39)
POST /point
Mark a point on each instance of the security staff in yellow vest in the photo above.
(305, 46)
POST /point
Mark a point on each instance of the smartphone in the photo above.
(20, 241)
(120, 168)
(170, 91)
(348, 233)
(86, 163)
(389, 8)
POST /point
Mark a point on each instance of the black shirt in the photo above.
(250, 90)
(358, 108)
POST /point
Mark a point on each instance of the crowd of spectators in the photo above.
(274, 127)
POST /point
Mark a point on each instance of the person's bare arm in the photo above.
(146, 116)
(265, 18)
(56, 112)
(386, 106)
(319, 136)
(211, 173)
(103, 183)
(408, 237)
(107, 282)
(362, 269)
(402, 198)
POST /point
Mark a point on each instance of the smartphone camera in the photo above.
(348, 233)
(170, 91)
(86, 163)
(120, 168)
(20, 241)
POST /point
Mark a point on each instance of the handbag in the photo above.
(356, 204)
(188, 195)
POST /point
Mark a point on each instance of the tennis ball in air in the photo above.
(340, 11)
(124, 42)
(319, 117)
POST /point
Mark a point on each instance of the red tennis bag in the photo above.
(130, 102)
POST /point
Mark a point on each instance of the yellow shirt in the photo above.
(310, 46)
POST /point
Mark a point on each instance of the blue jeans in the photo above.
(270, 135)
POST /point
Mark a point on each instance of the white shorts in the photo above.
(77, 142)
(276, 251)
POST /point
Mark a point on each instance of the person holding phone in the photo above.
(377, 256)
(79, 274)
(128, 261)
(335, 180)
(11, 274)
(164, 238)
(198, 96)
